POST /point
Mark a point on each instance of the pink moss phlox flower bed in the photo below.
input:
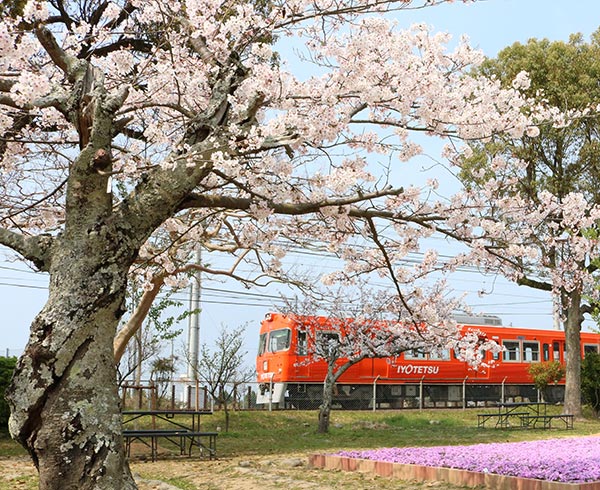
(570, 460)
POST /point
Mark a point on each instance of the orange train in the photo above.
(413, 378)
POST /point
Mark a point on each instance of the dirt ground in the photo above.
(281, 472)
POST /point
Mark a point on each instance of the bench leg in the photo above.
(127, 442)
(211, 448)
(154, 447)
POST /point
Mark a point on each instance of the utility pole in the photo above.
(556, 316)
(194, 321)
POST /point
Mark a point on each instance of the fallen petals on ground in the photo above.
(572, 460)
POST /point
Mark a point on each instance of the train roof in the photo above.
(461, 319)
(465, 319)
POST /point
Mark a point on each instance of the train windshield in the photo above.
(279, 340)
(262, 344)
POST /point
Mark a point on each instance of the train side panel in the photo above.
(284, 369)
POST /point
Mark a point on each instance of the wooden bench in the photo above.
(502, 419)
(534, 421)
(185, 440)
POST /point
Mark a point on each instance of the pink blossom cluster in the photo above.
(572, 460)
(308, 135)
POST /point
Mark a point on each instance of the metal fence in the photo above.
(182, 394)
(186, 394)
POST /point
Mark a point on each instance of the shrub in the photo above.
(590, 381)
(7, 366)
(546, 373)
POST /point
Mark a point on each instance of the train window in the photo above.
(512, 350)
(302, 344)
(414, 354)
(546, 350)
(555, 351)
(443, 355)
(531, 351)
(262, 344)
(279, 340)
(328, 341)
(482, 354)
(589, 348)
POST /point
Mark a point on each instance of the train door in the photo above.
(545, 352)
(558, 351)
(482, 371)
(531, 351)
(301, 366)
(321, 342)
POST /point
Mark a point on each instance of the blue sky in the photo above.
(490, 25)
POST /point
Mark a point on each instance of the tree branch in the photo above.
(532, 283)
(294, 209)
(7, 84)
(123, 43)
(135, 321)
(35, 203)
(588, 309)
(60, 57)
(36, 249)
(388, 263)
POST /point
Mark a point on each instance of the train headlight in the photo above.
(265, 366)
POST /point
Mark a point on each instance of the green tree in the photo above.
(161, 373)
(590, 381)
(12, 8)
(562, 160)
(7, 366)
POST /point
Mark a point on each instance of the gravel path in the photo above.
(280, 472)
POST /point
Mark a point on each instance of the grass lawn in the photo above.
(263, 434)
(255, 433)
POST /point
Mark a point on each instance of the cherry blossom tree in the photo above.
(369, 324)
(130, 127)
(538, 196)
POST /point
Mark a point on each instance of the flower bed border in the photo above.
(436, 473)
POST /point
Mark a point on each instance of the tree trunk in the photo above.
(226, 410)
(65, 407)
(325, 408)
(574, 318)
(63, 397)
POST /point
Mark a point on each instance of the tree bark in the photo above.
(65, 407)
(325, 408)
(573, 321)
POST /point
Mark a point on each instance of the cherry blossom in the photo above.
(136, 131)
